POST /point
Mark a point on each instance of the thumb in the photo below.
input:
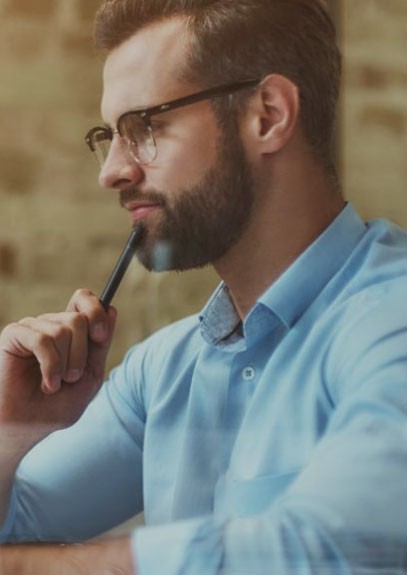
(98, 351)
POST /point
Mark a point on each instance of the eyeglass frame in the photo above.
(147, 113)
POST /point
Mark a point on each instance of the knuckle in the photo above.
(9, 330)
(78, 321)
(81, 300)
(82, 293)
(62, 332)
(45, 340)
(25, 320)
(10, 327)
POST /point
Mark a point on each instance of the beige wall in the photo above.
(374, 107)
(58, 231)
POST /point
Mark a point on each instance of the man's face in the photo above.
(195, 198)
(199, 223)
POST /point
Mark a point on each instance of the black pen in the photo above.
(121, 266)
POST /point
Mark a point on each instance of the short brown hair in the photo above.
(237, 39)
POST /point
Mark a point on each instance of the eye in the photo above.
(139, 136)
(158, 126)
(133, 128)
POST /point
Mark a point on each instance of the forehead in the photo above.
(144, 70)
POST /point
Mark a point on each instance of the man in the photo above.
(267, 434)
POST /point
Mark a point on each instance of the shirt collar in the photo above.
(219, 318)
(292, 293)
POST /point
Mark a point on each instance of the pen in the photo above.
(121, 266)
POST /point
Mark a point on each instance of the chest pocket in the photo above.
(252, 496)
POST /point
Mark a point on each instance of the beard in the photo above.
(205, 220)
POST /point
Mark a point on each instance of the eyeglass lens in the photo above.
(137, 135)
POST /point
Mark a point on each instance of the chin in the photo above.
(157, 258)
(163, 257)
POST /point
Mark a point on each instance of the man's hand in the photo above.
(51, 367)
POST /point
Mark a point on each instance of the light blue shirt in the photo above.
(276, 447)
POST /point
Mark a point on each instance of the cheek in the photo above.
(183, 159)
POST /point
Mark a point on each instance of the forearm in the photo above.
(6, 482)
(110, 558)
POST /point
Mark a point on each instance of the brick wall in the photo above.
(59, 231)
(374, 106)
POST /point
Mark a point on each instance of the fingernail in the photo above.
(99, 330)
(73, 375)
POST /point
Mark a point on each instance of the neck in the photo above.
(285, 220)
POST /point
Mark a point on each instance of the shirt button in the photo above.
(249, 373)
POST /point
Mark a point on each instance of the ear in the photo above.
(274, 113)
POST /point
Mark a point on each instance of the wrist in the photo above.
(18, 439)
(113, 557)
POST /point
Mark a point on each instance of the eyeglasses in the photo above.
(136, 129)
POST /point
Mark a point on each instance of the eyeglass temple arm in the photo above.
(192, 98)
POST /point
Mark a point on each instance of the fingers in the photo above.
(60, 344)
(86, 302)
(100, 324)
(65, 344)
(21, 343)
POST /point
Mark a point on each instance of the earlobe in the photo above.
(277, 109)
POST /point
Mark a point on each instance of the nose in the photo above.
(119, 169)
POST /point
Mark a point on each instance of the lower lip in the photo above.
(140, 213)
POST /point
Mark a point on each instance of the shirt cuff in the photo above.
(192, 546)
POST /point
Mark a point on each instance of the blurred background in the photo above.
(59, 231)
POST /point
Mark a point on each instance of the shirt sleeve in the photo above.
(346, 512)
(79, 482)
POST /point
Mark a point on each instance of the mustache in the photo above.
(134, 194)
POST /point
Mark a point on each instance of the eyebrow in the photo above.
(131, 111)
